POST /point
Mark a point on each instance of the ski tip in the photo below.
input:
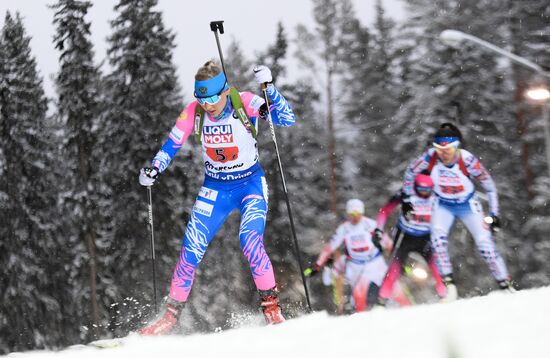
(106, 343)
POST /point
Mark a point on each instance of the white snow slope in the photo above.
(499, 325)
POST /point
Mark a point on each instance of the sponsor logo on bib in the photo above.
(218, 134)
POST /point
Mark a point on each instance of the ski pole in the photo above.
(289, 209)
(397, 245)
(150, 216)
(215, 26)
(218, 25)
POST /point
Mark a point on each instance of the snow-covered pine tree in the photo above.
(321, 55)
(29, 249)
(371, 99)
(78, 110)
(239, 68)
(276, 53)
(302, 155)
(529, 34)
(277, 234)
(143, 101)
(339, 43)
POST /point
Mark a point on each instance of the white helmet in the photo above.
(355, 206)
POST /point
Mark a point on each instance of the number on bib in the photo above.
(222, 155)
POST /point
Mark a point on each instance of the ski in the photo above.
(107, 343)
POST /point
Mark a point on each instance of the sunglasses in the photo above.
(449, 148)
(210, 100)
(423, 189)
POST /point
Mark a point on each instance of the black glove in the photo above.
(312, 271)
(494, 223)
(406, 208)
(377, 236)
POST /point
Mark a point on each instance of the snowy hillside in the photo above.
(499, 325)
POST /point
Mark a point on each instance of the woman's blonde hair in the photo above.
(209, 70)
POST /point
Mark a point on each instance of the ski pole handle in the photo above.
(216, 26)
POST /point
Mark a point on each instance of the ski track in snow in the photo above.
(499, 325)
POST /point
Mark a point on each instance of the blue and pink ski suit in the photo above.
(234, 179)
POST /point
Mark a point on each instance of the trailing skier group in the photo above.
(438, 187)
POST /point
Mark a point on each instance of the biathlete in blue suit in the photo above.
(225, 122)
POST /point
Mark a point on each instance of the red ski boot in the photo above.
(166, 319)
(270, 306)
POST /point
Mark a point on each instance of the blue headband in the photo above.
(445, 140)
(212, 86)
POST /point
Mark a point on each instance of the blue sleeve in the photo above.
(281, 112)
(166, 154)
(413, 169)
(478, 171)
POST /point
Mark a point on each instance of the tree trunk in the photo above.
(94, 307)
(338, 285)
(88, 232)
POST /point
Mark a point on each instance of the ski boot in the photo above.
(381, 303)
(507, 285)
(166, 320)
(269, 302)
(452, 293)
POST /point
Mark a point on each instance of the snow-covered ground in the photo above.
(499, 325)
